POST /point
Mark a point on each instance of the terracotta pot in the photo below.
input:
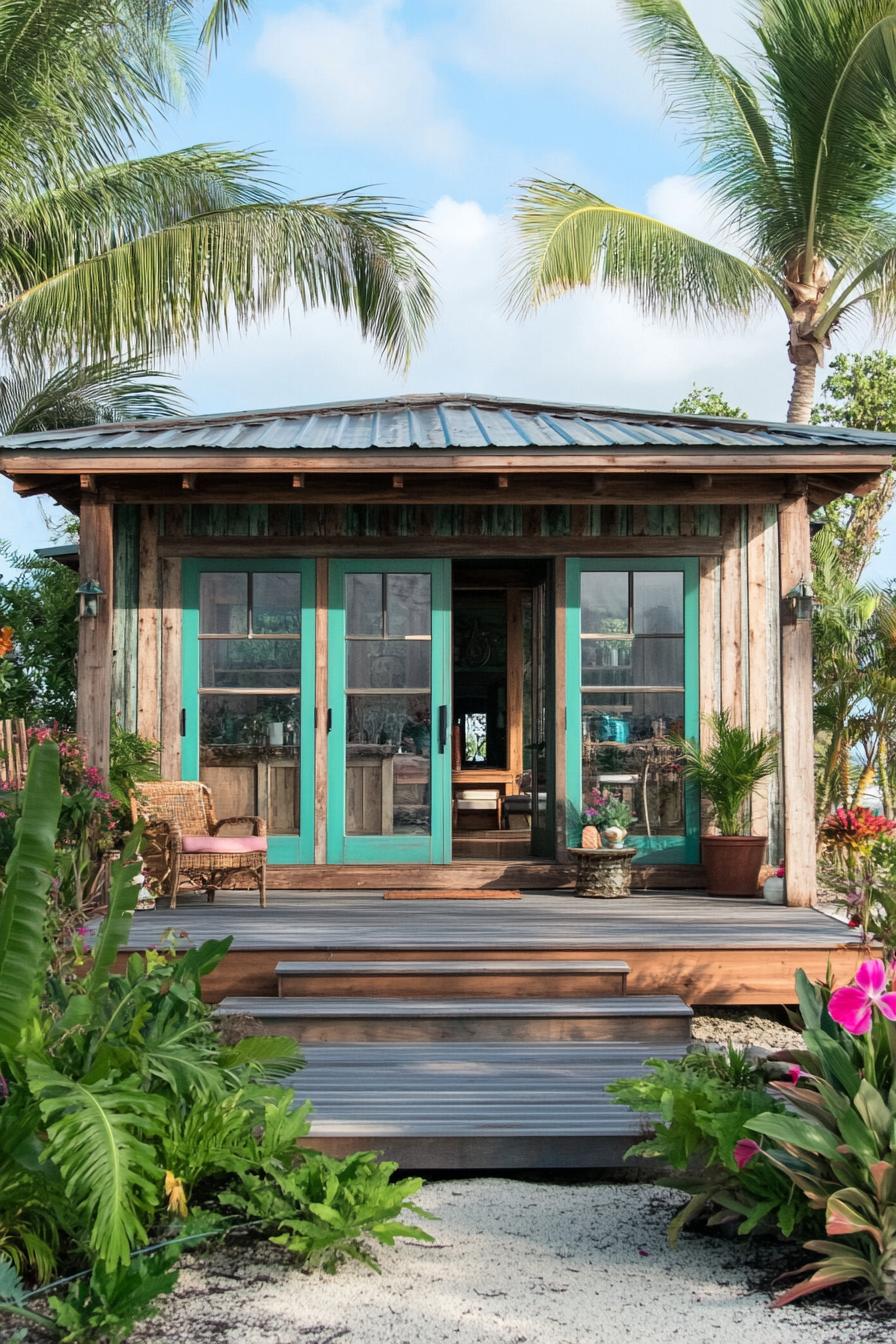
(732, 863)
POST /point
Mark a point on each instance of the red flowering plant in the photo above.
(857, 866)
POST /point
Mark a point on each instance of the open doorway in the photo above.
(501, 747)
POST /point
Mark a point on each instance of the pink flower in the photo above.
(852, 1005)
(744, 1151)
(794, 1073)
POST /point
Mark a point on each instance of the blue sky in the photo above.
(447, 103)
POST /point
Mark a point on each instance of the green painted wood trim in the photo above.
(281, 848)
(125, 609)
(656, 848)
(434, 848)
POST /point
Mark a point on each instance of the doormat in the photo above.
(452, 895)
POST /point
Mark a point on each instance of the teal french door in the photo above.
(248, 694)
(632, 681)
(389, 755)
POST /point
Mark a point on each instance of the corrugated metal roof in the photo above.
(441, 421)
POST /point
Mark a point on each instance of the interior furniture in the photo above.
(471, 805)
(186, 845)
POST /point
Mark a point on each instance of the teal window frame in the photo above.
(281, 848)
(656, 848)
(434, 848)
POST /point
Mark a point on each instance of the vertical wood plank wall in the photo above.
(739, 598)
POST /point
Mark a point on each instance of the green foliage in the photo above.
(862, 392)
(707, 401)
(837, 1146)
(110, 1302)
(703, 1104)
(324, 1208)
(27, 884)
(133, 760)
(38, 599)
(124, 1111)
(797, 151)
(728, 770)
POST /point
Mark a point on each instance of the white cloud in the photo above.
(360, 76)
(582, 44)
(587, 347)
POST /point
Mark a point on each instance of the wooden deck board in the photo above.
(629, 1006)
(336, 921)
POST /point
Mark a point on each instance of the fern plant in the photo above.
(729, 768)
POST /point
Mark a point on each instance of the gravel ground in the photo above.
(743, 1026)
(519, 1263)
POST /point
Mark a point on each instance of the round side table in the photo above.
(604, 873)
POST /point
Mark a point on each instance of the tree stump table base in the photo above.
(604, 873)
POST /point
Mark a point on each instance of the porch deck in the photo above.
(706, 950)
(465, 1034)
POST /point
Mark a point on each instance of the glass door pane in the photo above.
(389, 711)
(248, 694)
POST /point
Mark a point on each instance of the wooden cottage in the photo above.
(410, 631)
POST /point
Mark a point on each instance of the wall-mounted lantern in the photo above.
(90, 593)
(798, 604)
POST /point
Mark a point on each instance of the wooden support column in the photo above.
(95, 634)
(148, 644)
(796, 711)
(731, 631)
(758, 600)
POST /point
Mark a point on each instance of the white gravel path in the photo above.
(515, 1263)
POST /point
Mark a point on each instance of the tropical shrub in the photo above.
(128, 1125)
(836, 1143)
(703, 1103)
(729, 768)
(863, 882)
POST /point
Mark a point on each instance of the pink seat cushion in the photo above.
(224, 844)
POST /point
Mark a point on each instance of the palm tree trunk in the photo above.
(802, 394)
(883, 774)
(865, 780)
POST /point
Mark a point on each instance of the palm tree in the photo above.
(799, 158)
(105, 256)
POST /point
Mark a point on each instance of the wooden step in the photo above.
(475, 1106)
(649, 1020)
(442, 979)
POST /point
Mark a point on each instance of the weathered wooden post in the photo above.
(797, 733)
(95, 632)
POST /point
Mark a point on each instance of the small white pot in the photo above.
(773, 890)
(616, 836)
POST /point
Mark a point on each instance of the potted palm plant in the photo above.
(727, 771)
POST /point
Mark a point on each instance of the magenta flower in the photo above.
(744, 1151)
(852, 1005)
(794, 1073)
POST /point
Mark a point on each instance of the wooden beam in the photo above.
(298, 480)
(188, 481)
(796, 711)
(560, 739)
(702, 484)
(458, 547)
(397, 482)
(710, 694)
(148, 627)
(87, 483)
(621, 461)
(503, 482)
(94, 709)
(515, 673)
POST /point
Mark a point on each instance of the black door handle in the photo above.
(183, 723)
(443, 727)
(329, 720)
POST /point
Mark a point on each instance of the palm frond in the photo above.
(830, 75)
(222, 16)
(37, 397)
(568, 238)
(97, 1139)
(736, 146)
(359, 255)
(729, 767)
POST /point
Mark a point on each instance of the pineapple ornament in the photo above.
(590, 837)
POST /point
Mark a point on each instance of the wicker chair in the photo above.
(185, 846)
